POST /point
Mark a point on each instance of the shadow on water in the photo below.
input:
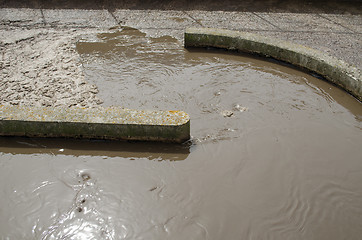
(294, 6)
(106, 148)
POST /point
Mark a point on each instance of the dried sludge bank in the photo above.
(95, 123)
(334, 70)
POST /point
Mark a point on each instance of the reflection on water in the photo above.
(105, 148)
(284, 165)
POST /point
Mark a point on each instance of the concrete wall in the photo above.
(334, 70)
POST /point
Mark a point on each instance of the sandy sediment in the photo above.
(40, 67)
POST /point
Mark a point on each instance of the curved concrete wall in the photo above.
(334, 70)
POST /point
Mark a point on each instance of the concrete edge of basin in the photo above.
(112, 123)
(334, 70)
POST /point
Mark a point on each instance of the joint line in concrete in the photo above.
(267, 21)
(114, 17)
(352, 31)
(190, 16)
(42, 16)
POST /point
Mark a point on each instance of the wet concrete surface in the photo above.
(284, 165)
(103, 148)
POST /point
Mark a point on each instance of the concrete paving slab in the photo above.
(166, 23)
(351, 22)
(154, 19)
(178, 34)
(129, 18)
(20, 16)
(167, 14)
(231, 20)
(302, 22)
(79, 18)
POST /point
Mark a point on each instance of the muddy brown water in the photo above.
(285, 164)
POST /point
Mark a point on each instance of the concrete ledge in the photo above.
(96, 123)
(334, 70)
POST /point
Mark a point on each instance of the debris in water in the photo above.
(85, 177)
(218, 93)
(240, 108)
(152, 189)
(227, 113)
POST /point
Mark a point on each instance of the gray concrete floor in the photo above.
(334, 27)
